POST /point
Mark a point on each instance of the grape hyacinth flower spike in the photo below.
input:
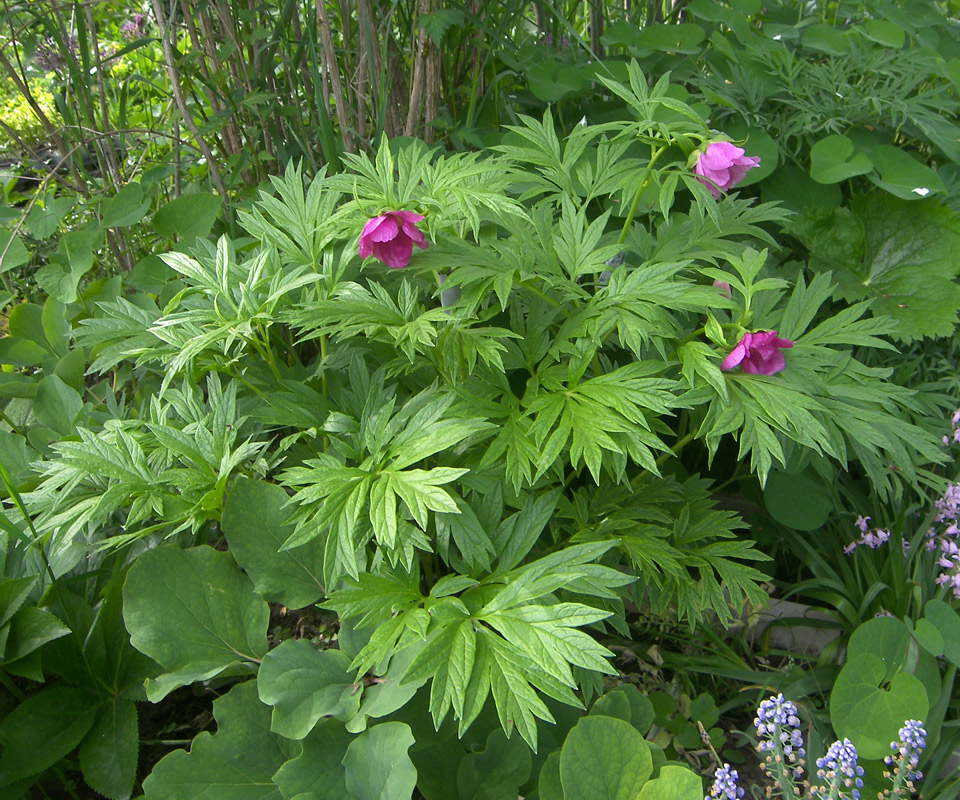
(391, 237)
(725, 785)
(781, 742)
(841, 776)
(906, 759)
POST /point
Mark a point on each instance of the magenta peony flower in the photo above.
(391, 237)
(758, 353)
(725, 165)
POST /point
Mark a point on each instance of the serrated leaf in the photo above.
(43, 729)
(908, 266)
(108, 754)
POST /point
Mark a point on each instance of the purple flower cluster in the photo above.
(838, 769)
(870, 537)
(134, 28)
(954, 437)
(49, 57)
(781, 741)
(945, 540)
(725, 785)
(913, 738)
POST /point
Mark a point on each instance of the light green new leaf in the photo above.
(194, 612)
(604, 759)
(377, 764)
(673, 783)
(236, 763)
(303, 685)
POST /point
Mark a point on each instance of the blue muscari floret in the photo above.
(725, 785)
(840, 772)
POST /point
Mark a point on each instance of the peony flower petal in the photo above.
(386, 230)
(736, 357)
(396, 254)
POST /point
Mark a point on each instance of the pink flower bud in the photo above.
(758, 353)
(391, 237)
(723, 165)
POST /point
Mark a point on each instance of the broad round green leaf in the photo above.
(887, 638)
(317, 773)
(796, 190)
(673, 783)
(303, 685)
(43, 729)
(235, 763)
(377, 764)
(902, 175)
(57, 405)
(194, 612)
(797, 500)
(947, 622)
(869, 712)
(908, 264)
(188, 217)
(548, 783)
(126, 207)
(884, 32)
(603, 759)
(683, 38)
(835, 158)
(550, 81)
(826, 39)
(256, 522)
(498, 771)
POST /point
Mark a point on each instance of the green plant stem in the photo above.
(647, 180)
(677, 447)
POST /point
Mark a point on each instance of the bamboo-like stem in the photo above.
(330, 59)
(165, 25)
(418, 79)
